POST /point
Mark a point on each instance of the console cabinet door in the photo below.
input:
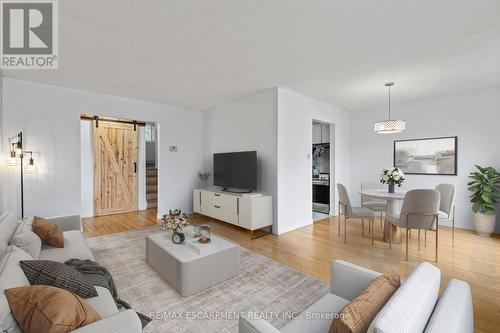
(245, 213)
(197, 201)
(206, 202)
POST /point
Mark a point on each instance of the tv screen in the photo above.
(236, 170)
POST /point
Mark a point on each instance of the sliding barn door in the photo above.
(115, 168)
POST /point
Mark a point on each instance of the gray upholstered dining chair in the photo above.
(352, 212)
(420, 211)
(375, 204)
(447, 206)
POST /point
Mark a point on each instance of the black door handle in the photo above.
(135, 167)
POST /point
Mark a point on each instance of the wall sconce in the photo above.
(31, 168)
(12, 159)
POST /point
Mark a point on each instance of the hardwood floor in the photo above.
(311, 249)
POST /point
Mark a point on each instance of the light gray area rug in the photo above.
(263, 286)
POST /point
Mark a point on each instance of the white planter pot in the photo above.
(484, 224)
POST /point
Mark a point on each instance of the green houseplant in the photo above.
(484, 189)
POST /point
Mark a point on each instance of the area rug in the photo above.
(264, 289)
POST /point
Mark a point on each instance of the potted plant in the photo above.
(203, 176)
(175, 221)
(392, 176)
(485, 194)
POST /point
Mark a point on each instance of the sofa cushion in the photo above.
(75, 247)
(8, 225)
(357, 315)
(56, 274)
(453, 312)
(25, 239)
(48, 231)
(411, 306)
(104, 304)
(321, 315)
(11, 276)
(46, 309)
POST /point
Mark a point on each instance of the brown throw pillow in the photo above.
(357, 316)
(48, 232)
(45, 309)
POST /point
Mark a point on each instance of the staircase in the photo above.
(152, 187)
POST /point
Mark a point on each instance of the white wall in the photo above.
(87, 169)
(49, 116)
(248, 123)
(1, 131)
(473, 116)
(295, 115)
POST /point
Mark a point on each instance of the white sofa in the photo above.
(415, 307)
(75, 246)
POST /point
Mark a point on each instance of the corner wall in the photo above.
(473, 116)
(248, 123)
(295, 116)
(49, 117)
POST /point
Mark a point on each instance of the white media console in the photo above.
(250, 211)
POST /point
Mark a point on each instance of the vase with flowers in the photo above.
(392, 176)
(174, 221)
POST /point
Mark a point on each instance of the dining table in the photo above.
(393, 208)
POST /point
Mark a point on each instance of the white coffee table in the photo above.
(188, 272)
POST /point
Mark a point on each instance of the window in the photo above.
(150, 132)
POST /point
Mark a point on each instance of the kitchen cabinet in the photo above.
(316, 133)
(321, 133)
(325, 133)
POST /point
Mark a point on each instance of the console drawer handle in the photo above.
(216, 206)
(217, 195)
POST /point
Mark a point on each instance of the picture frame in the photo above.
(427, 156)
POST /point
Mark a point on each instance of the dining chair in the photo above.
(352, 212)
(420, 211)
(375, 204)
(447, 206)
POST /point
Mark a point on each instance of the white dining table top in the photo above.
(384, 194)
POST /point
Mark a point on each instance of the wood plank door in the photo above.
(115, 168)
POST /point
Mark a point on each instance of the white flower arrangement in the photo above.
(175, 220)
(392, 175)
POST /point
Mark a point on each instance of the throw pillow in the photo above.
(56, 274)
(48, 232)
(28, 241)
(11, 276)
(356, 316)
(46, 309)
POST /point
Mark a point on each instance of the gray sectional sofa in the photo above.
(75, 246)
(415, 307)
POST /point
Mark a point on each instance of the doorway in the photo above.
(321, 169)
(150, 132)
(113, 165)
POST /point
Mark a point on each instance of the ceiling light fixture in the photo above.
(389, 126)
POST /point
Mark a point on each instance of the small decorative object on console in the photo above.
(175, 221)
(392, 176)
(203, 176)
(205, 233)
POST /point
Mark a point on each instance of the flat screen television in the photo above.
(236, 171)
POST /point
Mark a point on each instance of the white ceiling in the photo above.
(197, 54)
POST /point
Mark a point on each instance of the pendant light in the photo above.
(389, 126)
